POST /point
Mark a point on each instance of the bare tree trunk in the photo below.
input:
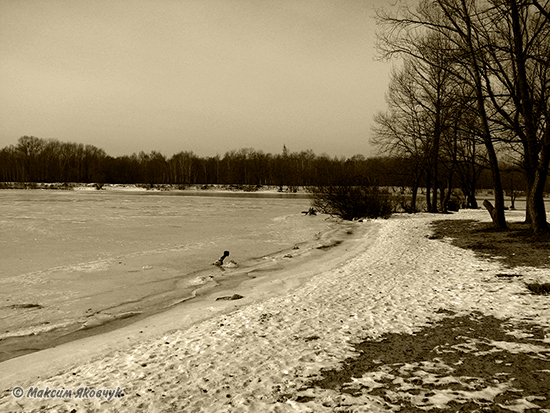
(499, 220)
(535, 197)
(536, 164)
(434, 200)
(414, 195)
(429, 190)
(489, 207)
(445, 202)
(472, 201)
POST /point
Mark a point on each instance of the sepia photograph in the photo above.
(274, 206)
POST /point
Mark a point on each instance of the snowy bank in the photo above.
(274, 354)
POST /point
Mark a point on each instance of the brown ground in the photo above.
(460, 356)
(513, 248)
(460, 347)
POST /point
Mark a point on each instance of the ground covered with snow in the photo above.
(429, 314)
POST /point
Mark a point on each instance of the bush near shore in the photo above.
(353, 202)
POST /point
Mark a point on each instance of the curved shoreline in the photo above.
(40, 337)
(263, 277)
(398, 319)
(83, 272)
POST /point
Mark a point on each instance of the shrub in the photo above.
(352, 201)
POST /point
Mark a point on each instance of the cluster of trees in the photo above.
(37, 160)
(34, 159)
(473, 91)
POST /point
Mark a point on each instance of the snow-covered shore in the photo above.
(203, 188)
(265, 356)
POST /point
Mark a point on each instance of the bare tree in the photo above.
(425, 115)
(519, 60)
(401, 131)
(452, 20)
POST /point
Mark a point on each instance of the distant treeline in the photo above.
(34, 159)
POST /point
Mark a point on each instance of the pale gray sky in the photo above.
(200, 75)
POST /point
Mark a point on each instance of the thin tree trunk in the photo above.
(414, 194)
(499, 219)
(535, 197)
(429, 190)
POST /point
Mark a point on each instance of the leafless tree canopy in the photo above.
(475, 74)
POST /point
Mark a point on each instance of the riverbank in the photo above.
(112, 313)
(407, 320)
(202, 188)
(78, 262)
(269, 276)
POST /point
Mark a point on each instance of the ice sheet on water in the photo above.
(107, 248)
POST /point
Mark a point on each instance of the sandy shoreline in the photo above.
(205, 283)
(256, 279)
(264, 354)
(76, 261)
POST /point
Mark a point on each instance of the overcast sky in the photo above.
(206, 76)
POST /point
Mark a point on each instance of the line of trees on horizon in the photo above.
(34, 159)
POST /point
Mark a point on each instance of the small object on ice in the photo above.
(232, 297)
(311, 338)
(310, 211)
(287, 256)
(220, 261)
(24, 306)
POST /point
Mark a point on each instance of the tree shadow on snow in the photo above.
(514, 248)
(461, 363)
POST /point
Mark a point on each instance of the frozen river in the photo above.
(75, 260)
